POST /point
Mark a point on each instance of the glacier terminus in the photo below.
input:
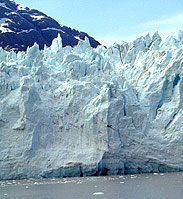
(81, 111)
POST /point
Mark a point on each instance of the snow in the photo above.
(78, 38)
(21, 7)
(35, 17)
(11, 13)
(72, 111)
(3, 22)
(26, 31)
(45, 29)
(3, 5)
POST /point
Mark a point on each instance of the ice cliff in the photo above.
(82, 111)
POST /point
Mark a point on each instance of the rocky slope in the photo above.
(21, 27)
(83, 111)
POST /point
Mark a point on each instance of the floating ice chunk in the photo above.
(98, 193)
(133, 176)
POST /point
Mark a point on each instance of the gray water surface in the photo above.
(143, 186)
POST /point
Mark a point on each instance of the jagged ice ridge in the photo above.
(82, 111)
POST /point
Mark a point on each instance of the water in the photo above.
(143, 186)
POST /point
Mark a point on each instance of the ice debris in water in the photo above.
(98, 193)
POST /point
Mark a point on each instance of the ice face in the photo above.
(180, 36)
(83, 111)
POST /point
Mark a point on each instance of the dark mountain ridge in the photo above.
(21, 27)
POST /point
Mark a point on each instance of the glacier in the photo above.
(82, 111)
